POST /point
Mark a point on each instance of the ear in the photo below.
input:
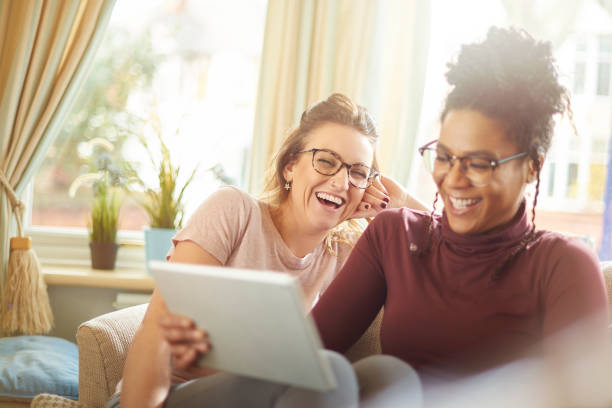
(533, 170)
(288, 170)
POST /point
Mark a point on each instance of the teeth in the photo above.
(460, 203)
(329, 197)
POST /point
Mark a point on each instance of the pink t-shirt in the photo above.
(238, 230)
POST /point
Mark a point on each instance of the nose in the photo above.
(340, 180)
(456, 174)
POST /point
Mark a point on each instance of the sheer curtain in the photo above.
(543, 19)
(50, 46)
(374, 51)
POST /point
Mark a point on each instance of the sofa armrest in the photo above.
(103, 345)
(369, 342)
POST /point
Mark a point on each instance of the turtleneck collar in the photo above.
(490, 245)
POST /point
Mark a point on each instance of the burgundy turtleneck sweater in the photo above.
(442, 313)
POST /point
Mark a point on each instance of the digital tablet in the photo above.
(256, 321)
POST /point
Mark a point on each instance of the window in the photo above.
(580, 65)
(603, 78)
(603, 67)
(191, 64)
(597, 180)
(572, 180)
(551, 179)
(574, 177)
(579, 77)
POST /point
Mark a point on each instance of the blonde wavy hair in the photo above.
(337, 108)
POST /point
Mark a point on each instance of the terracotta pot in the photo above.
(103, 255)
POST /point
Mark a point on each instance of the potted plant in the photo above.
(107, 180)
(163, 202)
(103, 225)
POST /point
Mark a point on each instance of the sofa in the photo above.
(104, 341)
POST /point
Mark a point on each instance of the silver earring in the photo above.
(287, 185)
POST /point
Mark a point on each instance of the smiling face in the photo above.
(470, 209)
(321, 202)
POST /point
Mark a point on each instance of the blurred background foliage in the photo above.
(99, 112)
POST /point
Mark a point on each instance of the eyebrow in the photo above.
(342, 159)
(477, 153)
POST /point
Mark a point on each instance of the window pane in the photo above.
(597, 180)
(579, 77)
(572, 180)
(551, 179)
(581, 44)
(190, 65)
(605, 44)
(603, 78)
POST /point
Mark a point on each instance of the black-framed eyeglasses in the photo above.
(475, 168)
(329, 163)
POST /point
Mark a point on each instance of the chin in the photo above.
(463, 228)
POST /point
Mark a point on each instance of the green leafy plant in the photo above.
(108, 178)
(104, 213)
(164, 202)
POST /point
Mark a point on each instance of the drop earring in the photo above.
(287, 185)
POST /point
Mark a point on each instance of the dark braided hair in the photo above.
(511, 78)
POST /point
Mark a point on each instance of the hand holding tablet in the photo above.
(255, 320)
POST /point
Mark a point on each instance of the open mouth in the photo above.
(463, 203)
(330, 200)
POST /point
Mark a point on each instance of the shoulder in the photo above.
(231, 193)
(560, 247)
(230, 198)
(569, 255)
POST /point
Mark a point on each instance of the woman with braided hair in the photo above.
(477, 286)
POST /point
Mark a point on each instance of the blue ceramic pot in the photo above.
(158, 242)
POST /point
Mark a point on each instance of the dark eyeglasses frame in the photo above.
(371, 177)
(452, 158)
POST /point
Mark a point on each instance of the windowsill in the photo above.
(120, 278)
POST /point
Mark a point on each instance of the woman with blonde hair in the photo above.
(325, 174)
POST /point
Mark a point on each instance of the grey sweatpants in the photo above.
(377, 381)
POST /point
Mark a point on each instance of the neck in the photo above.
(297, 236)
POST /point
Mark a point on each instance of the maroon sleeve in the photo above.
(355, 296)
(574, 289)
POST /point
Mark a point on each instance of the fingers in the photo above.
(364, 210)
(185, 356)
(374, 200)
(187, 342)
(184, 360)
(376, 195)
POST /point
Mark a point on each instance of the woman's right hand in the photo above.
(187, 342)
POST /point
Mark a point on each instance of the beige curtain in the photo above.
(374, 51)
(46, 48)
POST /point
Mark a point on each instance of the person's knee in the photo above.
(345, 395)
(386, 381)
(384, 368)
(341, 367)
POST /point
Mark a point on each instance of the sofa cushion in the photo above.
(30, 365)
